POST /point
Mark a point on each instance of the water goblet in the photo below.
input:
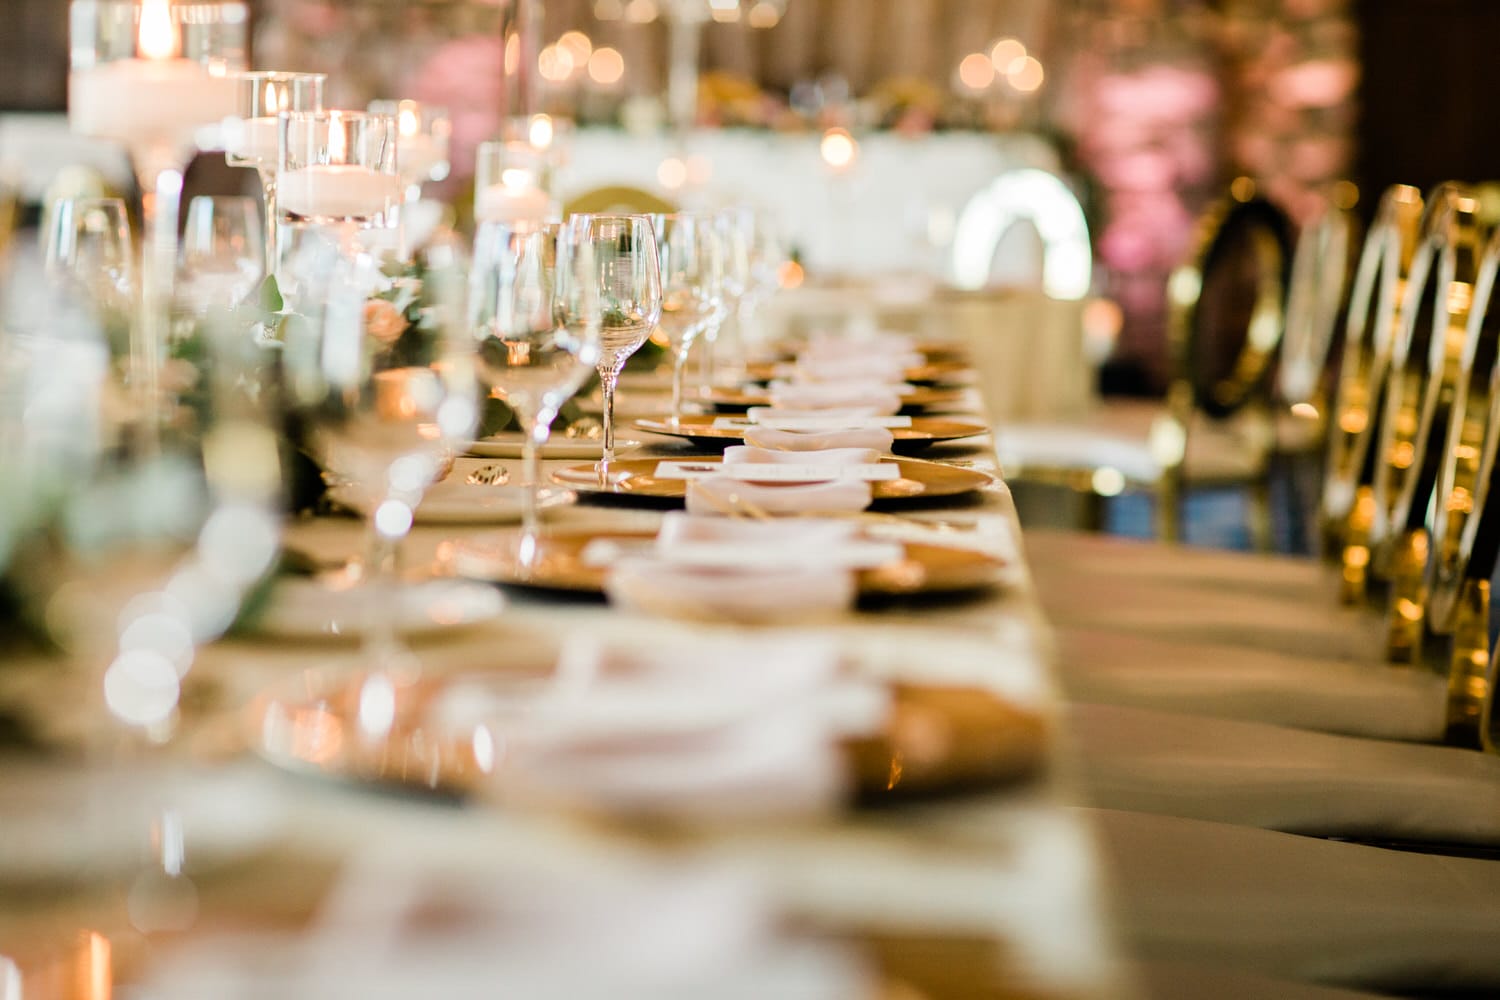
(691, 280)
(221, 258)
(521, 277)
(625, 278)
(88, 247)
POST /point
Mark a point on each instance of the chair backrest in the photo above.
(1466, 517)
(618, 200)
(1315, 303)
(1043, 200)
(1359, 400)
(1426, 361)
(1227, 307)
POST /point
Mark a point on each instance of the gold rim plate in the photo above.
(932, 372)
(638, 478)
(924, 431)
(920, 398)
(559, 565)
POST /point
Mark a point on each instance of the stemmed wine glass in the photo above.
(736, 228)
(525, 278)
(626, 271)
(383, 400)
(250, 139)
(88, 248)
(222, 256)
(691, 285)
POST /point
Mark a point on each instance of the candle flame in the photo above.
(272, 104)
(541, 132)
(338, 145)
(157, 38)
(406, 119)
(517, 179)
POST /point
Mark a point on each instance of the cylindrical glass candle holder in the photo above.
(510, 184)
(252, 138)
(423, 135)
(338, 168)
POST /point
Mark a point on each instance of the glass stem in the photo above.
(679, 376)
(380, 643)
(161, 187)
(609, 374)
(272, 229)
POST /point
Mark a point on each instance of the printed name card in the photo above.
(776, 423)
(788, 472)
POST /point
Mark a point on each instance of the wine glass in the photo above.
(88, 248)
(520, 277)
(250, 139)
(736, 228)
(424, 133)
(626, 272)
(222, 256)
(691, 279)
(383, 398)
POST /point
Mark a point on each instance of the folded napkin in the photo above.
(854, 414)
(712, 728)
(874, 438)
(760, 596)
(678, 528)
(856, 368)
(880, 399)
(741, 454)
(721, 495)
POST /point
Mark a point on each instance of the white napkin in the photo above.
(678, 528)
(1253, 774)
(878, 398)
(740, 454)
(723, 496)
(759, 596)
(856, 368)
(892, 346)
(877, 439)
(10, 980)
(854, 414)
(710, 729)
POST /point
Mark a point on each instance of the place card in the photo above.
(853, 554)
(800, 472)
(759, 418)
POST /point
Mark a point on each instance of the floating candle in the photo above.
(507, 203)
(336, 192)
(148, 102)
(252, 141)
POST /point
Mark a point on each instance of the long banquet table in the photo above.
(995, 893)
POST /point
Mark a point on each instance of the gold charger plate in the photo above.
(930, 372)
(920, 398)
(923, 432)
(559, 565)
(638, 478)
(936, 739)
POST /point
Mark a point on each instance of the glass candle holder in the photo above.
(424, 134)
(510, 184)
(252, 138)
(154, 76)
(338, 168)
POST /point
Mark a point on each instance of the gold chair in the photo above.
(618, 200)
(1215, 429)
(1291, 653)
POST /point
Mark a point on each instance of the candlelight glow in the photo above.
(540, 133)
(976, 71)
(641, 11)
(555, 64)
(406, 119)
(157, 38)
(1026, 74)
(517, 179)
(606, 66)
(338, 146)
(838, 148)
(672, 174)
(764, 15)
(578, 45)
(1006, 53)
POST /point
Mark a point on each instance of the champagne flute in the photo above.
(626, 272)
(691, 280)
(520, 274)
(383, 399)
(736, 227)
(222, 255)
